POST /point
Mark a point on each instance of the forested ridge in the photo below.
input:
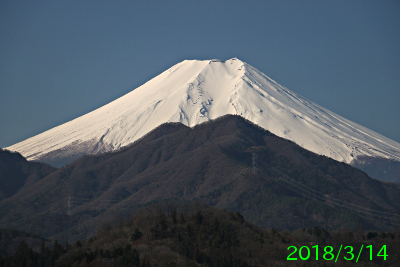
(288, 188)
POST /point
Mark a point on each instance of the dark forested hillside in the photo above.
(198, 235)
(10, 239)
(16, 172)
(230, 163)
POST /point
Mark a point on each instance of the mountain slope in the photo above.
(210, 162)
(192, 92)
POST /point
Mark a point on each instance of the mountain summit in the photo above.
(196, 91)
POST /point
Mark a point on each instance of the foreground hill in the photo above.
(212, 163)
(197, 235)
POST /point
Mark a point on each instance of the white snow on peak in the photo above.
(195, 91)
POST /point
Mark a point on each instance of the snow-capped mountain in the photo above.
(194, 91)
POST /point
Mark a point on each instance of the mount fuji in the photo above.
(196, 91)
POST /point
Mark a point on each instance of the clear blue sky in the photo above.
(62, 59)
